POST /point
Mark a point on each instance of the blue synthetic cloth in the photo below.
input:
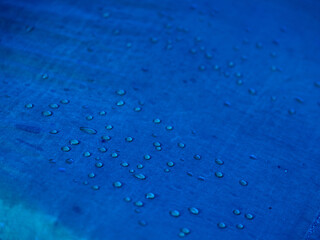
(229, 91)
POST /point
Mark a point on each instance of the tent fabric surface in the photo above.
(159, 120)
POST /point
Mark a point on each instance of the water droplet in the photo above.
(129, 139)
(74, 142)
(252, 91)
(47, 113)
(54, 106)
(222, 225)
(121, 92)
(91, 175)
(120, 103)
(236, 212)
(249, 216)
(114, 155)
(65, 149)
(139, 166)
(181, 145)
(219, 161)
(117, 184)
(127, 199)
(157, 121)
(140, 176)
(95, 187)
(89, 117)
(69, 160)
(138, 203)
(240, 226)
(292, 111)
(194, 210)
(29, 105)
(102, 149)
(175, 213)
(170, 164)
(88, 130)
(137, 109)
(169, 128)
(64, 101)
(105, 138)
(102, 113)
(185, 230)
(197, 157)
(142, 223)
(219, 174)
(86, 154)
(243, 182)
(147, 157)
(99, 164)
(109, 127)
(181, 234)
(252, 156)
(54, 131)
(150, 195)
(124, 164)
(156, 144)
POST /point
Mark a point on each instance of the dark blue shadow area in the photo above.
(159, 120)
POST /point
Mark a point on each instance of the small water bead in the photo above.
(105, 138)
(169, 128)
(91, 175)
(29, 105)
(292, 111)
(86, 154)
(89, 117)
(239, 82)
(249, 216)
(120, 103)
(102, 113)
(158, 148)
(156, 144)
(252, 156)
(54, 106)
(140, 176)
(231, 64)
(117, 184)
(153, 39)
(64, 101)
(201, 178)
(65, 149)
(170, 164)
(222, 225)
(54, 131)
(243, 182)
(114, 155)
(124, 164)
(95, 187)
(47, 113)
(69, 161)
(185, 230)
(219, 174)
(142, 223)
(121, 92)
(129, 139)
(181, 234)
(138, 203)
(240, 226)
(74, 142)
(197, 157)
(236, 212)
(157, 121)
(127, 199)
(85, 182)
(139, 166)
(252, 91)
(137, 109)
(99, 164)
(109, 127)
(131, 171)
(194, 210)
(202, 68)
(45, 76)
(299, 99)
(175, 213)
(166, 170)
(102, 149)
(181, 145)
(147, 157)
(219, 161)
(150, 196)
(88, 130)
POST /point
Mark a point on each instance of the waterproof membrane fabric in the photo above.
(149, 120)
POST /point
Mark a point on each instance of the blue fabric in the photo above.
(237, 81)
